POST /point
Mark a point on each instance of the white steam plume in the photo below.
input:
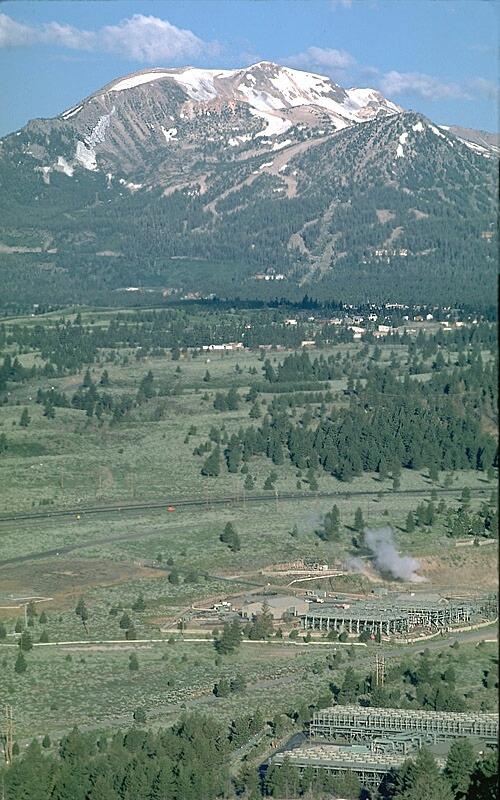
(386, 557)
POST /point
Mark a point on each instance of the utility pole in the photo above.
(9, 735)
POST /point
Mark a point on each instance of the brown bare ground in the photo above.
(384, 215)
(64, 579)
(471, 570)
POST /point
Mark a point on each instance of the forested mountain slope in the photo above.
(259, 181)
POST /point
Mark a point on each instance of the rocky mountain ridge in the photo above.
(189, 179)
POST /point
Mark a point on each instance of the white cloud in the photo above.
(427, 86)
(342, 3)
(326, 61)
(14, 34)
(141, 38)
(150, 39)
(325, 57)
(484, 88)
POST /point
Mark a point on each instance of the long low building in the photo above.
(388, 617)
(369, 766)
(361, 617)
(354, 723)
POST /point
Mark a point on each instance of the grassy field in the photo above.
(72, 461)
(93, 686)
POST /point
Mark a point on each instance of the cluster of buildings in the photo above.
(389, 615)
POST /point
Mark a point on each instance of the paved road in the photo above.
(207, 503)
(479, 635)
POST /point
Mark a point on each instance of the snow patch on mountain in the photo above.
(64, 166)
(85, 151)
(275, 125)
(133, 187)
(437, 131)
(137, 80)
(169, 133)
(199, 83)
(98, 134)
(280, 145)
(360, 98)
(71, 112)
(418, 127)
(260, 100)
(86, 156)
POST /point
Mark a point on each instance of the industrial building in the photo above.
(388, 615)
(280, 606)
(370, 767)
(354, 723)
(371, 742)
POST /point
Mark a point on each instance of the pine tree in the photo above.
(21, 664)
(484, 779)
(49, 411)
(81, 610)
(87, 380)
(139, 714)
(269, 484)
(410, 522)
(133, 663)
(230, 537)
(25, 419)
(125, 622)
(460, 766)
(222, 688)
(174, 577)
(229, 639)
(255, 412)
(331, 525)
(262, 626)
(139, 604)
(211, 466)
(421, 780)
(25, 641)
(359, 522)
(102, 789)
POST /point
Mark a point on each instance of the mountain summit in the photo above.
(209, 180)
(273, 98)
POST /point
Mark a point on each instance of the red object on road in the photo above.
(170, 508)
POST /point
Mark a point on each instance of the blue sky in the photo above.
(439, 57)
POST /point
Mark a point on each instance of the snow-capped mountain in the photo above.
(154, 108)
(255, 172)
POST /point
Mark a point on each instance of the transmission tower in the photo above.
(9, 735)
(379, 670)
